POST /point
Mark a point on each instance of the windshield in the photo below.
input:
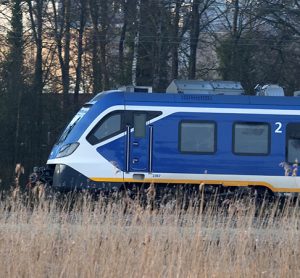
(74, 122)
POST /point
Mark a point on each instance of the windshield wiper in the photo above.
(67, 132)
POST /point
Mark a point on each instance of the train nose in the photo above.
(65, 178)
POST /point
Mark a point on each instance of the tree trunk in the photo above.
(15, 79)
(66, 64)
(38, 84)
(194, 35)
(235, 36)
(122, 41)
(96, 66)
(136, 44)
(80, 52)
(103, 42)
(62, 25)
(175, 45)
(158, 51)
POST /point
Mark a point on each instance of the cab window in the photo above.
(110, 126)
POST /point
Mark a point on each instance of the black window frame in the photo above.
(122, 129)
(286, 141)
(150, 115)
(199, 122)
(127, 119)
(251, 123)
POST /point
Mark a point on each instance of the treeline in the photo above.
(55, 53)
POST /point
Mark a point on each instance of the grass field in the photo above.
(122, 239)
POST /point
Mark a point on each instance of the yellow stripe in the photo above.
(213, 182)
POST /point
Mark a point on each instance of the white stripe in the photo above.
(167, 110)
(170, 110)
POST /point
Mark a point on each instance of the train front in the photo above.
(75, 159)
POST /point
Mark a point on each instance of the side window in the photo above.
(251, 138)
(139, 124)
(293, 142)
(110, 125)
(197, 137)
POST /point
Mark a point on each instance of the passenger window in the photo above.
(251, 138)
(293, 142)
(110, 126)
(197, 137)
(139, 123)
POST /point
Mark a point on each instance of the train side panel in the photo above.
(223, 166)
(167, 139)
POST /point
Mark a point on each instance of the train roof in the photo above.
(198, 100)
(115, 97)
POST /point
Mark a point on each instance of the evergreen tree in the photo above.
(15, 82)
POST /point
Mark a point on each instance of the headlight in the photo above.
(67, 149)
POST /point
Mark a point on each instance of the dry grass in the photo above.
(96, 239)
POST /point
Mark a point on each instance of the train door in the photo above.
(138, 143)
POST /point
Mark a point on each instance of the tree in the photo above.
(259, 45)
(82, 22)
(238, 47)
(125, 10)
(202, 16)
(36, 13)
(176, 38)
(62, 35)
(14, 77)
(96, 64)
(283, 18)
(154, 44)
(102, 13)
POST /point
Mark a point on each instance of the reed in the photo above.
(88, 238)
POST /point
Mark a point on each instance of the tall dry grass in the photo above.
(122, 239)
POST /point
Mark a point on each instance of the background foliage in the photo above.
(55, 54)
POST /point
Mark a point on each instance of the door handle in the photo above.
(135, 160)
(135, 143)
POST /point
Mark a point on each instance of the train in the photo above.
(198, 132)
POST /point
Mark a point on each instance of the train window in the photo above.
(197, 137)
(293, 142)
(139, 123)
(251, 138)
(108, 127)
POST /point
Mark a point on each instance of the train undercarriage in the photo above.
(63, 180)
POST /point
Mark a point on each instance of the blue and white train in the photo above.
(224, 140)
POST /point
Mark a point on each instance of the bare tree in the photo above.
(136, 44)
(36, 13)
(15, 78)
(103, 42)
(82, 23)
(128, 41)
(202, 16)
(94, 7)
(194, 35)
(125, 7)
(175, 37)
(62, 26)
(246, 36)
